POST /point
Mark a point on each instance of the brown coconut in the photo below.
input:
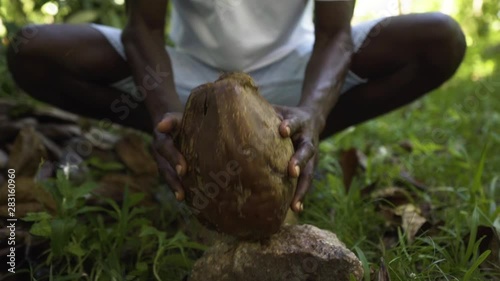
(237, 178)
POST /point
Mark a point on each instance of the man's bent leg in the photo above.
(71, 66)
(403, 57)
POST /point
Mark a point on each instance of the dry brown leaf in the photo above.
(351, 161)
(132, 151)
(390, 217)
(27, 152)
(411, 220)
(393, 196)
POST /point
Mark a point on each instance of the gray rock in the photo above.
(296, 253)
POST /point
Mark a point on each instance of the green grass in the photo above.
(454, 133)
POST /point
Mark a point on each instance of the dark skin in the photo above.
(304, 123)
(403, 59)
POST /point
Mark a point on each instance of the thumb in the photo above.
(170, 123)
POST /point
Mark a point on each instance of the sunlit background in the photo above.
(479, 18)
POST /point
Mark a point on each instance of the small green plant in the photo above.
(109, 242)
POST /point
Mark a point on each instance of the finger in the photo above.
(290, 126)
(303, 185)
(169, 123)
(301, 157)
(171, 178)
(165, 147)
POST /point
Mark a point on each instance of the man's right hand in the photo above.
(171, 163)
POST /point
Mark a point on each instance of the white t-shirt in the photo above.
(241, 35)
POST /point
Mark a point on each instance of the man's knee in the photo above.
(447, 43)
(22, 49)
(22, 42)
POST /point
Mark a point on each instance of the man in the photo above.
(322, 78)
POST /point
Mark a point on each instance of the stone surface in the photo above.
(295, 253)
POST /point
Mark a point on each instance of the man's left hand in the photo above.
(304, 127)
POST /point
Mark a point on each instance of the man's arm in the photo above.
(323, 80)
(143, 39)
(330, 58)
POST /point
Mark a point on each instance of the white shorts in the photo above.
(280, 82)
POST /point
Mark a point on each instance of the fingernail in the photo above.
(287, 129)
(297, 170)
(177, 196)
(297, 206)
(178, 169)
(301, 206)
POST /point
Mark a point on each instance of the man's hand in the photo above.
(171, 163)
(303, 127)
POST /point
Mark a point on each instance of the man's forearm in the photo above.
(152, 73)
(330, 59)
(149, 62)
(325, 73)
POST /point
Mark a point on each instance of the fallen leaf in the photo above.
(350, 161)
(392, 196)
(389, 215)
(27, 152)
(411, 220)
(132, 151)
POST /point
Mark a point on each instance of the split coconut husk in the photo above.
(237, 179)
